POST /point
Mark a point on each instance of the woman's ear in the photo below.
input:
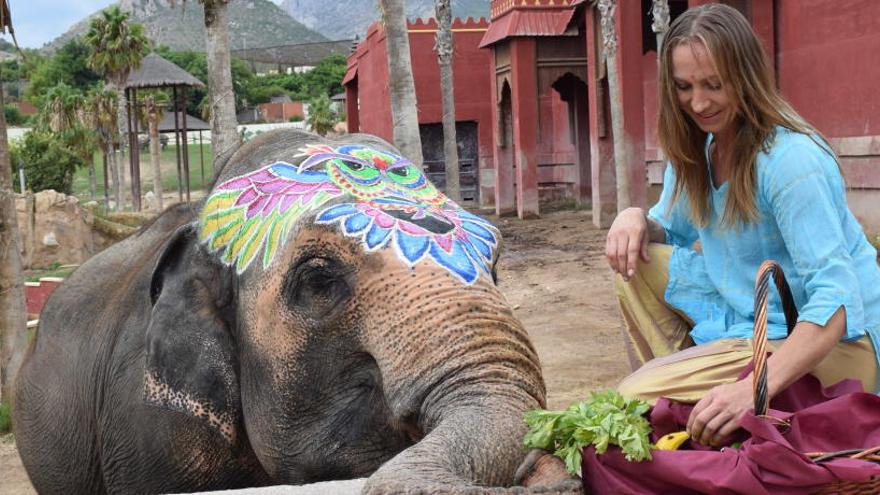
(191, 363)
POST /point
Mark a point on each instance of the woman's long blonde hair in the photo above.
(745, 73)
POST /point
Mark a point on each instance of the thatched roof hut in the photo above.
(192, 123)
(157, 72)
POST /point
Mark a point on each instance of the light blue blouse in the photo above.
(804, 224)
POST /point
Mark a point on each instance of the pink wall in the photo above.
(472, 87)
(829, 63)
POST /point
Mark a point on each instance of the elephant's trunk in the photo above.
(466, 381)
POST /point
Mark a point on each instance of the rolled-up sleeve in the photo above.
(674, 217)
(807, 197)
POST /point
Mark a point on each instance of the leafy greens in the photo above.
(606, 418)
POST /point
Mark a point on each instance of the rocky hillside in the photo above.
(345, 20)
(252, 23)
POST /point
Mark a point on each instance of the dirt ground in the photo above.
(553, 272)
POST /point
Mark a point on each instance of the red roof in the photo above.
(533, 22)
(350, 74)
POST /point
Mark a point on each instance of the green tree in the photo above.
(14, 116)
(196, 63)
(13, 313)
(100, 114)
(154, 104)
(221, 101)
(326, 77)
(401, 86)
(47, 163)
(69, 65)
(63, 114)
(117, 46)
(444, 45)
(321, 117)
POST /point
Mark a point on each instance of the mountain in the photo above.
(252, 24)
(345, 20)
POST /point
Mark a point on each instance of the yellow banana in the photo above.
(672, 441)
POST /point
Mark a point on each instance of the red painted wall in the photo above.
(829, 63)
(281, 112)
(554, 133)
(470, 66)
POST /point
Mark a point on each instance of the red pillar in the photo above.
(351, 107)
(524, 93)
(629, 61)
(601, 147)
(505, 198)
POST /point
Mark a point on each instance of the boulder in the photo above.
(54, 228)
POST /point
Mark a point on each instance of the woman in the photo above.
(750, 180)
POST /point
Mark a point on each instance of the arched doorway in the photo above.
(505, 173)
(573, 91)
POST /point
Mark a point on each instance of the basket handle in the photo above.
(759, 342)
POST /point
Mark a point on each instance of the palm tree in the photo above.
(100, 114)
(224, 132)
(402, 89)
(621, 157)
(321, 117)
(117, 46)
(444, 56)
(13, 312)
(153, 117)
(63, 113)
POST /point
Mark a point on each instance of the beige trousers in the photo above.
(670, 365)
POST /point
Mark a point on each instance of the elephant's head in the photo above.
(336, 312)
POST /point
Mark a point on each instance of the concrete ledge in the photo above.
(342, 487)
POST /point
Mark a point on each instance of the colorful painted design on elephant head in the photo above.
(395, 206)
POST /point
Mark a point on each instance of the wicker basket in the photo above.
(759, 361)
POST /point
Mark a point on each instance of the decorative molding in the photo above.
(500, 7)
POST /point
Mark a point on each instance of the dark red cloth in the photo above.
(770, 460)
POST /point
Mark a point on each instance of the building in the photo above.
(281, 109)
(550, 113)
(368, 106)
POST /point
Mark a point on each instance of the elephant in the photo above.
(325, 312)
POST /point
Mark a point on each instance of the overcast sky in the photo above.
(37, 22)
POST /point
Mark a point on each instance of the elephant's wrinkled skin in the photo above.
(160, 366)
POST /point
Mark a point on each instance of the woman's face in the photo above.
(701, 92)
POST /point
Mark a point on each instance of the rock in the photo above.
(150, 201)
(50, 240)
(55, 228)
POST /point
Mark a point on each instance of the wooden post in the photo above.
(177, 145)
(135, 155)
(185, 150)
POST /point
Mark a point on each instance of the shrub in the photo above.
(47, 163)
(14, 116)
(5, 418)
(296, 118)
(321, 116)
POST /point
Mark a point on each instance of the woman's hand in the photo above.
(627, 241)
(716, 416)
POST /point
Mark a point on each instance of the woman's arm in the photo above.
(628, 239)
(716, 416)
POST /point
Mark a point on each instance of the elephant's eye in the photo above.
(317, 287)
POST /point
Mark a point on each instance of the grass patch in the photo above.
(54, 270)
(5, 418)
(168, 161)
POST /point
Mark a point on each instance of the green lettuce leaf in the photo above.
(606, 418)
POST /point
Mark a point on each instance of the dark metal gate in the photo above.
(435, 164)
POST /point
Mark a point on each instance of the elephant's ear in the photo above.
(191, 357)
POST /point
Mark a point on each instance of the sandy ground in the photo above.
(553, 273)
